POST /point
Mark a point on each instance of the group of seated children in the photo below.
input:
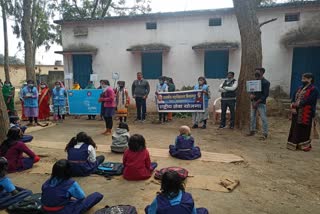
(61, 194)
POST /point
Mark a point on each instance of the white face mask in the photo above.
(42, 86)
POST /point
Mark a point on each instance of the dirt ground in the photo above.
(272, 179)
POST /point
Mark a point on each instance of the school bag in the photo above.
(120, 140)
(110, 169)
(183, 173)
(29, 205)
(119, 209)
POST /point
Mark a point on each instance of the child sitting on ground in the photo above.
(82, 155)
(14, 122)
(184, 147)
(61, 194)
(120, 138)
(12, 149)
(9, 194)
(136, 160)
(173, 199)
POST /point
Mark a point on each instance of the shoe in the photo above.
(204, 127)
(195, 126)
(143, 121)
(222, 127)
(231, 127)
(264, 137)
(136, 120)
(307, 149)
(251, 133)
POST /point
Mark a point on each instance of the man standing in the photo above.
(228, 99)
(140, 92)
(258, 103)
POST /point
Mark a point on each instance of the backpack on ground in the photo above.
(119, 209)
(183, 173)
(110, 169)
(29, 205)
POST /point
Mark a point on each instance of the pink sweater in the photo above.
(108, 98)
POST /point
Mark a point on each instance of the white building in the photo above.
(189, 44)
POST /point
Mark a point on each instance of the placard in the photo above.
(115, 75)
(68, 76)
(94, 77)
(254, 86)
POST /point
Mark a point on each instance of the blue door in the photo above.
(151, 65)
(82, 68)
(305, 60)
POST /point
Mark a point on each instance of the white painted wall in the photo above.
(184, 65)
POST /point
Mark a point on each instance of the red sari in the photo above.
(44, 103)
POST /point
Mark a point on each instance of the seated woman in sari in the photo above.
(303, 110)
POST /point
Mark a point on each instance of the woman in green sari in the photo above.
(8, 93)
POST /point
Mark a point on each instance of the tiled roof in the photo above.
(188, 13)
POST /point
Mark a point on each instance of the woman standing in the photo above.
(59, 95)
(202, 117)
(108, 97)
(44, 101)
(8, 93)
(23, 117)
(31, 106)
(171, 88)
(123, 101)
(303, 110)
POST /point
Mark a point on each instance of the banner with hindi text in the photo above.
(180, 101)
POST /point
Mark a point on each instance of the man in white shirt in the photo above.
(228, 91)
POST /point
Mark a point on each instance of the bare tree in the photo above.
(4, 8)
(251, 54)
(27, 38)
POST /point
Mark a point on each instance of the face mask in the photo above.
(103, 86)
(200, 82)
(58, 86)
(161, 82)
(7, 84)
(304, 83)
(30, 85)
(42, 86)
(257, 75)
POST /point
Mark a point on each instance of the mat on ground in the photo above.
(154, 152)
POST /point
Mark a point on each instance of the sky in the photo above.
(49, 57)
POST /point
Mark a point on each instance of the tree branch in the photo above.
(104, 12)
(94, 8)
(267, 22)
(77, 8)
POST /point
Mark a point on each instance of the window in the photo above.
(215, 22)
(292, 17)
(151, 64)
(151, 25)
(216, 64)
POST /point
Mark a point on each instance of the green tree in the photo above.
(33, 24)
(71, 9)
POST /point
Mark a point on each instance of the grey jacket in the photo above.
(140, 88)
